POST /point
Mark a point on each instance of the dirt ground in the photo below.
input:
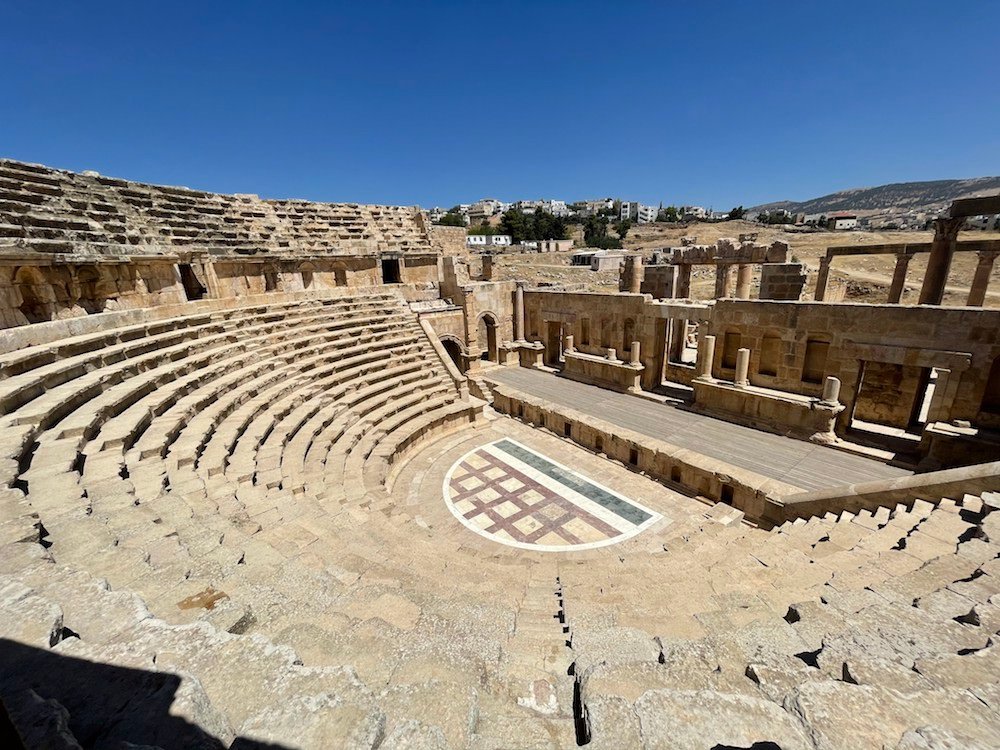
(863, 278)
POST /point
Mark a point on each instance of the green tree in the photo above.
(737, 213)
(517, 225)
(452, 220)
(483, 229)
(622, 227)
(668, 214)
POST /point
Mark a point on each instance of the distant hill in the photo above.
(908, 196)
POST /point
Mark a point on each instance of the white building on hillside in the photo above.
(638, 213)
(487, 240)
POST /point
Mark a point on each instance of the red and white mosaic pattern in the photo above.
(507, 500)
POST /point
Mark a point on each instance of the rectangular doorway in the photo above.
(391, 273)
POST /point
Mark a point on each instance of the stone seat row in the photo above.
(797, 671)
(95, 462)
(111, 627)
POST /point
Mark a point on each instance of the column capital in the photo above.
(947, 227)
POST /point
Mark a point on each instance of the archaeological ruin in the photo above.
(284, 474)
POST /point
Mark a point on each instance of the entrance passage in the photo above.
(193, 289)
(553, 343)
(488, 338)
(455, 352)
(391, 273)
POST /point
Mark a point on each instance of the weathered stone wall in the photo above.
(487, 303)
(888, 393)
(76, 244)
(450, 240)
(598, 321)
(782, 281)
(31, 293)
(659, 281)
(964, 340)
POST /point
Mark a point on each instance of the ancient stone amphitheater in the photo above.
(287, 474)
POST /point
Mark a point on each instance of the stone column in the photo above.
(611, 354)
(568, 345)
(899, 277)
(981, 279)
(706, 355)
(683, 288)
(823, 278)
(635, 353)
(831, 390)
(631, 280)
(487, 268)
(742, 368)
(744, 275)
(519, 314)
(723, 274)
(939, 262)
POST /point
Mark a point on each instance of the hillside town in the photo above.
(485, 217)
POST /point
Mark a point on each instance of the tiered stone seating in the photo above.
(789, 634)
(52, 211)
(231, 506)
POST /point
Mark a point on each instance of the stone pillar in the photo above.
(981, 279)
(706, 355)
(612, 355)
(831, 390)
(899, 277)
(742, 368)
(939, 262)
(568, 345)
(723, 273)
(631, 275)
(683, 288)
(635, 353)
(744, 275)
(519, 314)
(487, 268)
(823, 278)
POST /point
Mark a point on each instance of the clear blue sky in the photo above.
(432, 103)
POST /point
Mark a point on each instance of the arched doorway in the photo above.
(307, 270)
(454, 350)
(488, 337)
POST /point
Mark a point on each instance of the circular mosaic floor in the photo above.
(512, 494)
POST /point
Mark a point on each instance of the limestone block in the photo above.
(688, 720)
(322, 720)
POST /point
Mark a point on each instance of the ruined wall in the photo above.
(782, 281)
(487, 302)
(834, 339)
(33, 293)
(600, 320)
(450, 240)
(76, 244)
(888, 393)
